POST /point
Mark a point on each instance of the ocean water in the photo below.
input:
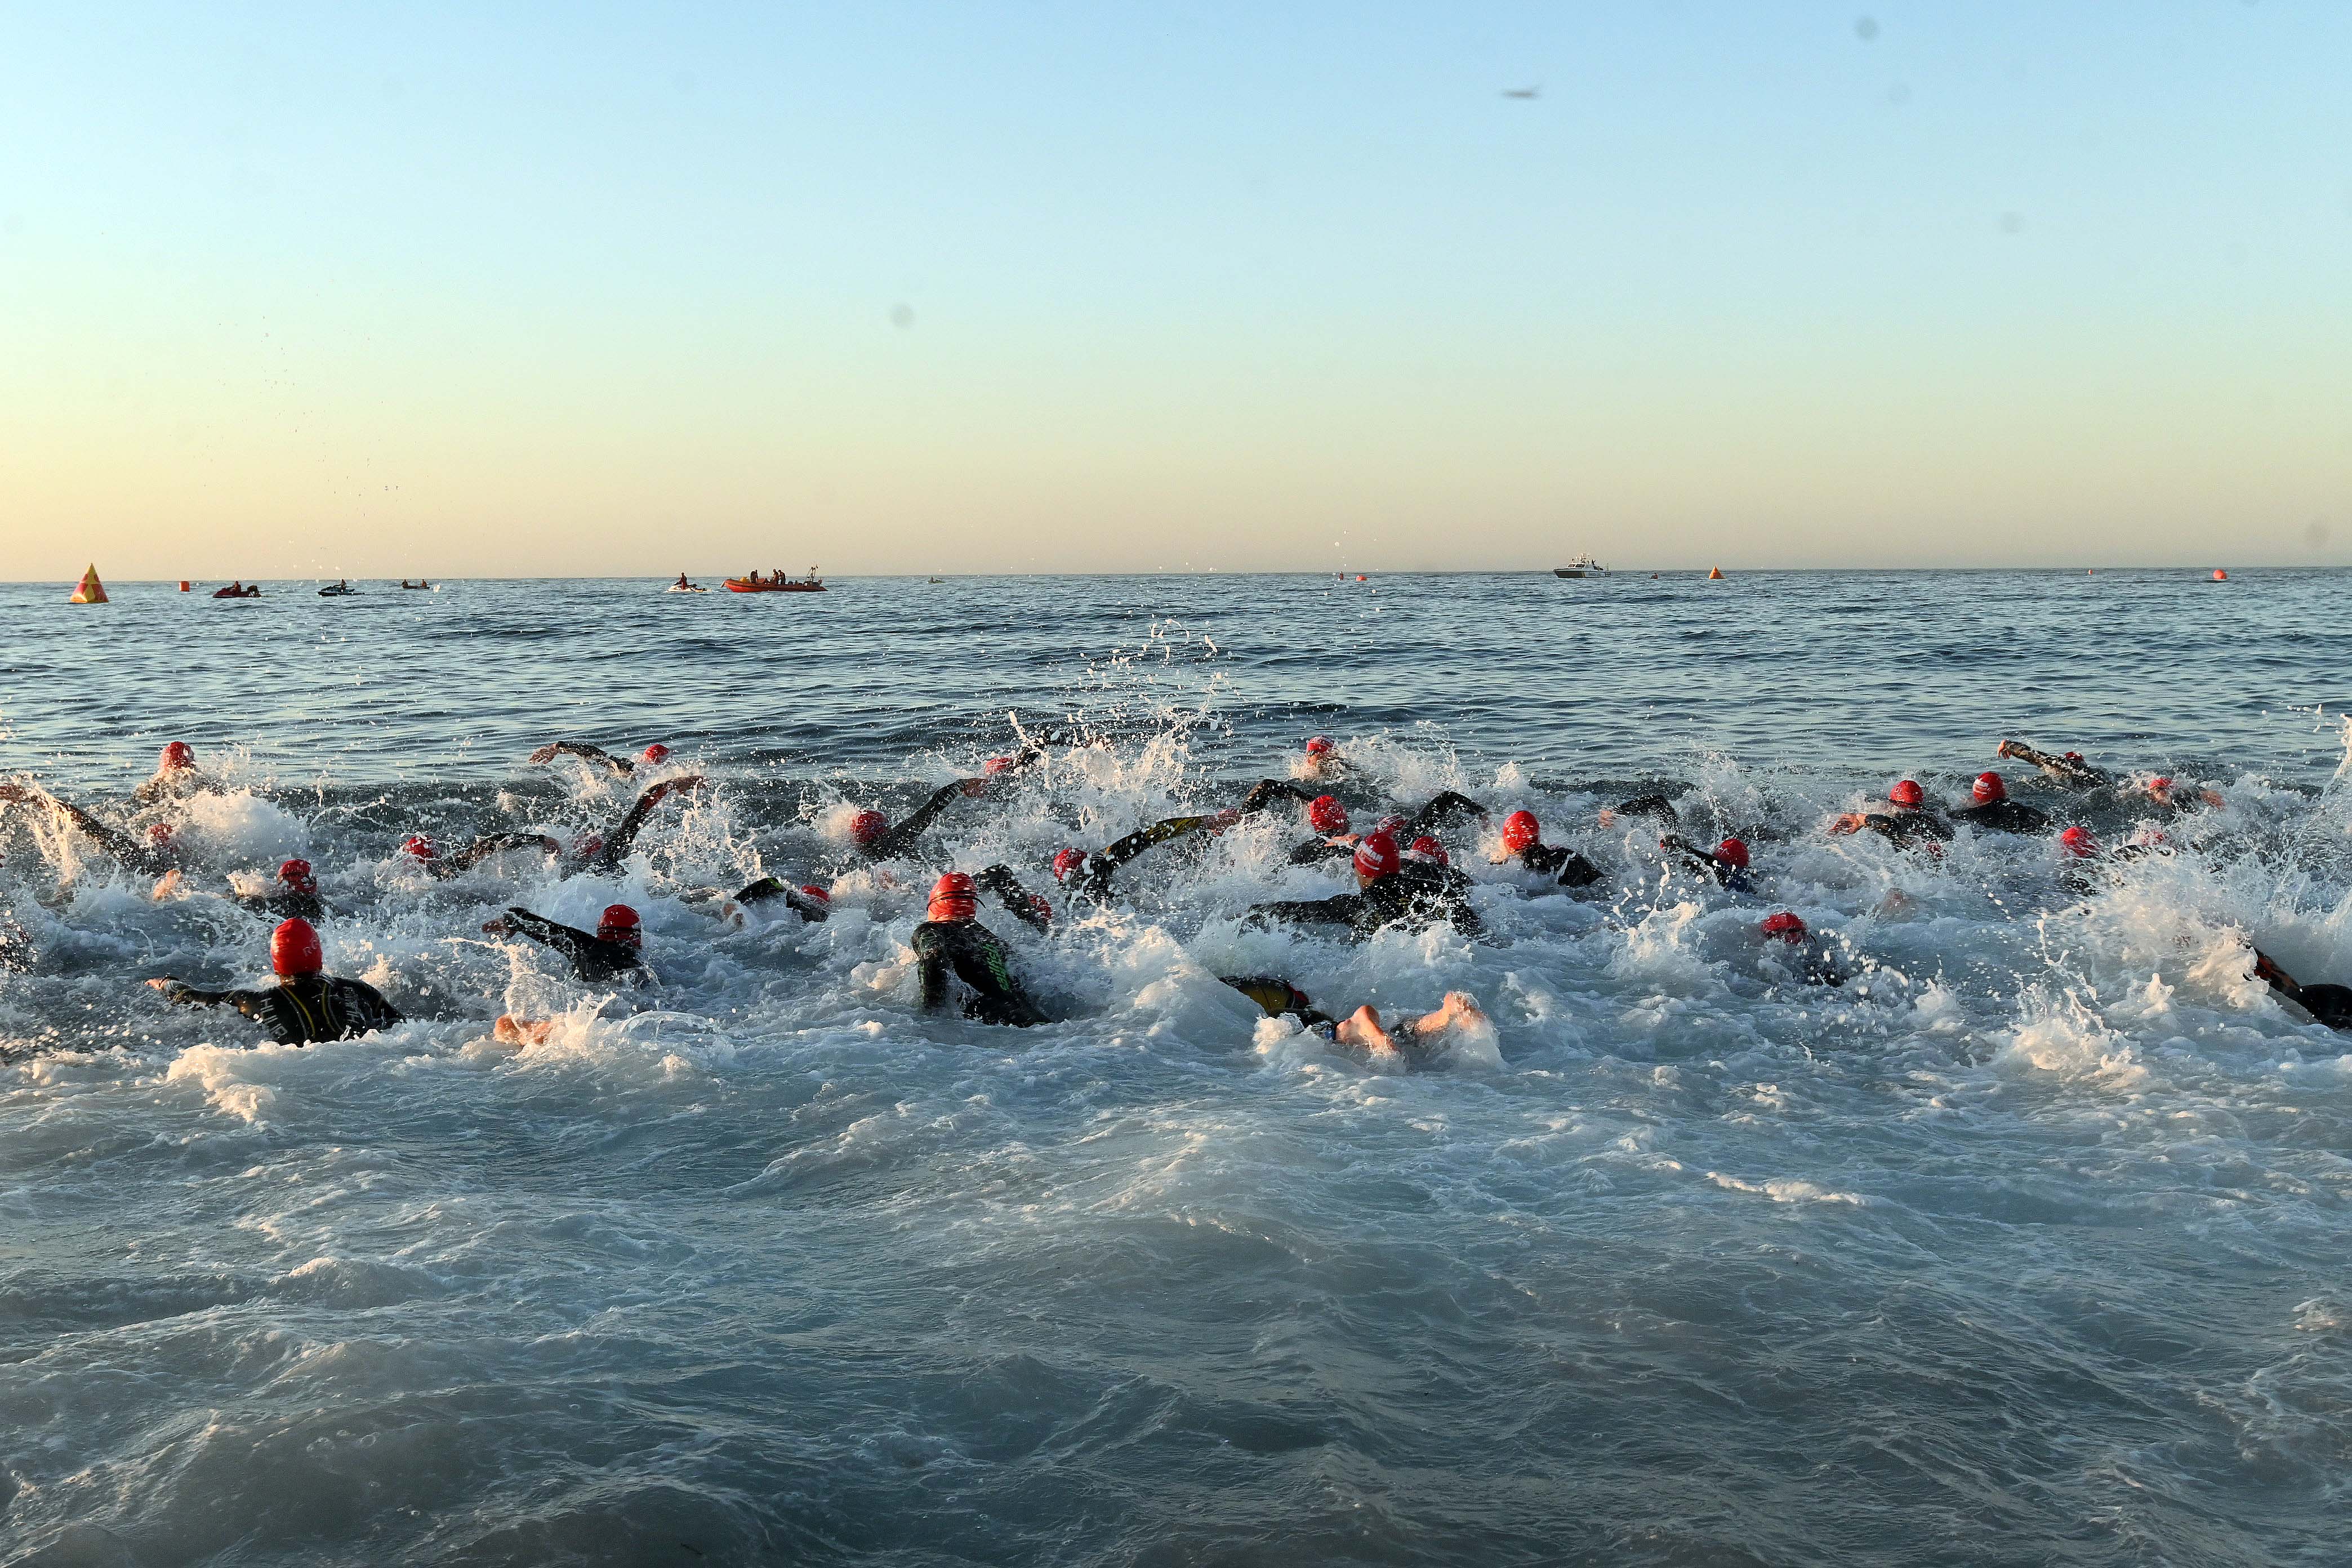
(2027, 1245)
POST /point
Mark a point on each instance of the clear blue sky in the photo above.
(294, 290)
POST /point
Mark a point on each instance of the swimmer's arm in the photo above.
(1343, 910)
(586, 752)
(569, 941)
(1019, 901)
(1265, 792)
(1160, 832)
(490, 844)
(367, 1005)
(252, 1004)
(901, 839)
(931, 965)
(1447, 805)
(617, 842)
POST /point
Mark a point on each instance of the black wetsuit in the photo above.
(1655, 806)
(176, 784)
(972, 953)
(617, 842)
(481, 849)
(2328, 1004)
(586, 754)
(1096, 874)
(900, 837)
(1019, 902)
(1567, 866)
(768, 889)
(1907, 828)
(1278, 996)
(1706, 863)
(594, 958)
(2003, 816)
(302, 1009)
(2067, 771)
(1314, 851)
(134, 854)
(284, 905)
(1414, 894)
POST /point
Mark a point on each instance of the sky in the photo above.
(294, 291)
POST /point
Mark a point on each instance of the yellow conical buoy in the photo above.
(92, 591)
(1715, 574)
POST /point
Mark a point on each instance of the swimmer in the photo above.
(1523, 845)
(951, 943)
(1994, 810)
(811, 902)
(152, 855)
(1727, 863)
(1362, 1028)
(1321, 759)
(1817, 967)
(1654, 806)
(307, 1005)
(426, 851)
(653, 756)
(877, 840)
(1389, 891)
(2080, 873)
(295, 895)
(2328, 1004)
(606, 852)
(2177, 799)
(1329, 818)
(2069, 770)
(1908, 823)
(615, 951)
(1094, 868)
(176, 776)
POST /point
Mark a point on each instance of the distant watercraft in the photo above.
(683, 586)
(413, 587)
(1583, 566)
(237, 590)
(777, 582)
(337, 590)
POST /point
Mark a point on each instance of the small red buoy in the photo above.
(184, 584)
(1362, 578)
(2219, 575)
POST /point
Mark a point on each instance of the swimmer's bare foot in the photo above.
(1363, 1030)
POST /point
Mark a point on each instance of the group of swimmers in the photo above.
(1399, 872)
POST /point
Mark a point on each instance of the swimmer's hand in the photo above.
(1847, 822)
(973, 787)
(167, 886)
(162, 983)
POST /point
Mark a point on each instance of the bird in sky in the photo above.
(1535, 91)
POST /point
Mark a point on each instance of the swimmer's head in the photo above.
(995, 765)
(1325, 814)
(177, 755)
(1907, 795)
(294, 949)
(1521, 831)
(866, 828)
(1320, 746)
(653, 756)
(160, 835)
(1733, 852)
(619, 923)
(2079, 843)
(1067, 863)
(1786, 926)
(954, 898)
(1989, 789)
(1376, 855)
(417, 846)
(295, 877)
(1428, 851)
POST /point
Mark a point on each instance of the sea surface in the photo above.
(2027, 1244)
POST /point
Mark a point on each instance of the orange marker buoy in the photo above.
(1715, 574)
(92, 591)
(2219, 575)
(184, 584)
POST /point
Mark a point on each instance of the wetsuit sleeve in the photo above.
(113, 840)
(1265, 792)
(1346, 909)
(1651, 806)
(931, 965)
(1314, 851)
(764, 891)
(2063, 770)
(1696, 859)
(570, 941)
(490, 844)
(1019, 901)
(1276, 996)
(1448, 805)
(254, 1005)
(982, 963)
(586, 752)
(901, 839)
(1102, 862)
(617, 842)
(2330, 1004)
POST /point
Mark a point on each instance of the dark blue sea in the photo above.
(2024, 1245)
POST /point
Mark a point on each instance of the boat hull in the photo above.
(738, 585)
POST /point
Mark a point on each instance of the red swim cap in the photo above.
(813, 891)
(295, 874)
(867, 827)
(1907, 793)
(619, 923)
(954, 898)
(419, 847)
(1325, 814)
(995, 765)
(1519, 831)
(1394, 826)
(294, 949)
(2074, 756)
(178, 754)
(2158, 783)
(654, 754)
(2079, 843)
(1320, 746)
(1376, 855)
(1732, 852)
(1786, 926)
(161, 836)
(1428, 851)
(588, 846)
(1066, 861)
(1988, 788)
